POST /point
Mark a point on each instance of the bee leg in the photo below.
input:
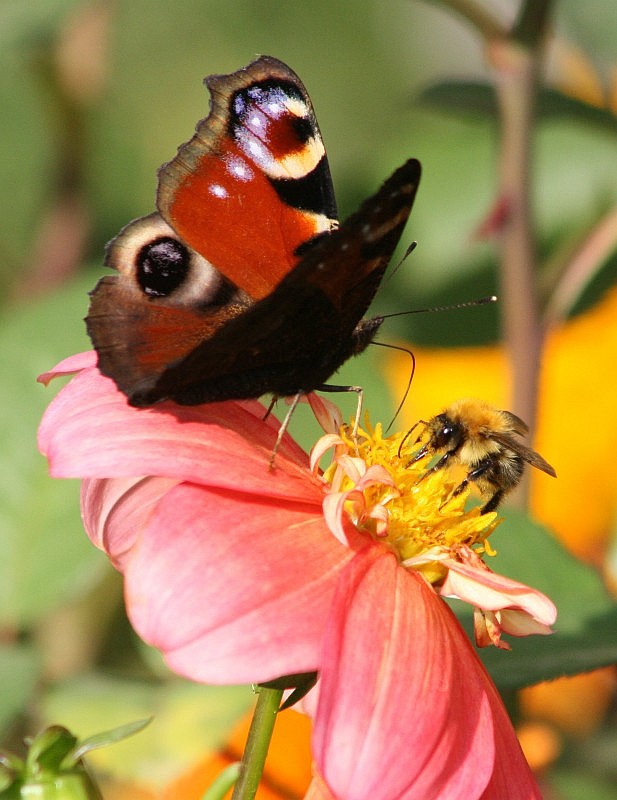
(484, 474)
(439, 465)
(461, 487)
(493, 502)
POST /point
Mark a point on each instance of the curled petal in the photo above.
(519, 623)
(115, 511)
(327, 414)
(487, 629)
(322, 446)
(338, 519)
(69, 366)
(493, 592)
(353, 468)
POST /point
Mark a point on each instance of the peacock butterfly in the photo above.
(243, 283)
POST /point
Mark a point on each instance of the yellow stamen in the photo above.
(422, 514)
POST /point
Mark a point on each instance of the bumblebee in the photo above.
(484, 440)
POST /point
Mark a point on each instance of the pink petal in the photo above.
(494, 592)
(519, 623)
(115, 511)
(90, 431)
(70, 365)
(322, 446)
(233, 588)
(403, 707)
(326, 413)
(511, 778)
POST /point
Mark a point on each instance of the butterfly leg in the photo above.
(326, 387)
(284, 425)
(271, 406)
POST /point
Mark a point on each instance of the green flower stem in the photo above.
(258, 742)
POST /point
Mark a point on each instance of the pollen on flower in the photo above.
(415, 514)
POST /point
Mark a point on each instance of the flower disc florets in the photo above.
(415, 513)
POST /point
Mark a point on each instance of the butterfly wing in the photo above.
(253, 184)
(242, 284)
(297, 336)
(250, 188)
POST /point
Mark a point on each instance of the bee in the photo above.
(484, 440)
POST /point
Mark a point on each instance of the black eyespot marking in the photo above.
(303, 128)
(162, 266)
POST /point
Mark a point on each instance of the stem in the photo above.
(517, 68)
(483, 19)
(257, 743)
(581, 267)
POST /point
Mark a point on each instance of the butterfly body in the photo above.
(243, 284)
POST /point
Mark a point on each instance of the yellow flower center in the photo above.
(419, 513)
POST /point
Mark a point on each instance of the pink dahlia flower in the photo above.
(239, 573)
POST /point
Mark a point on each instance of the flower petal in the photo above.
(90, 431)
(493, 592)
(233, 588)
(69, 366)
(115, 511)
(397, 664)
(511, 776)
(326, 413)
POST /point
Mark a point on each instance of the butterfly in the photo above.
(242, 283)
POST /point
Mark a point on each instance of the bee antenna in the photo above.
(411, 374)
(408, 434)
(481, 301)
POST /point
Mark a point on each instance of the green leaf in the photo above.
(110, 737)
(48, 750)
(222, 783)
(190, 720)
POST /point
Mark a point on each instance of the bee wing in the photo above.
(526, 453)
(518, 426)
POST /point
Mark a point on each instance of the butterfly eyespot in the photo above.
(162, 266)
(303, 128)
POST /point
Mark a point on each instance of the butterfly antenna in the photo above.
(411, 374)
(406, 255)
(481, 301)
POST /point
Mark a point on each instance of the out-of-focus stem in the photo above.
(517, 65)
(515, 86)
(581, 267)
(482, 18)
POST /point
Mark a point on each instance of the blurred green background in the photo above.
(94, 97)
